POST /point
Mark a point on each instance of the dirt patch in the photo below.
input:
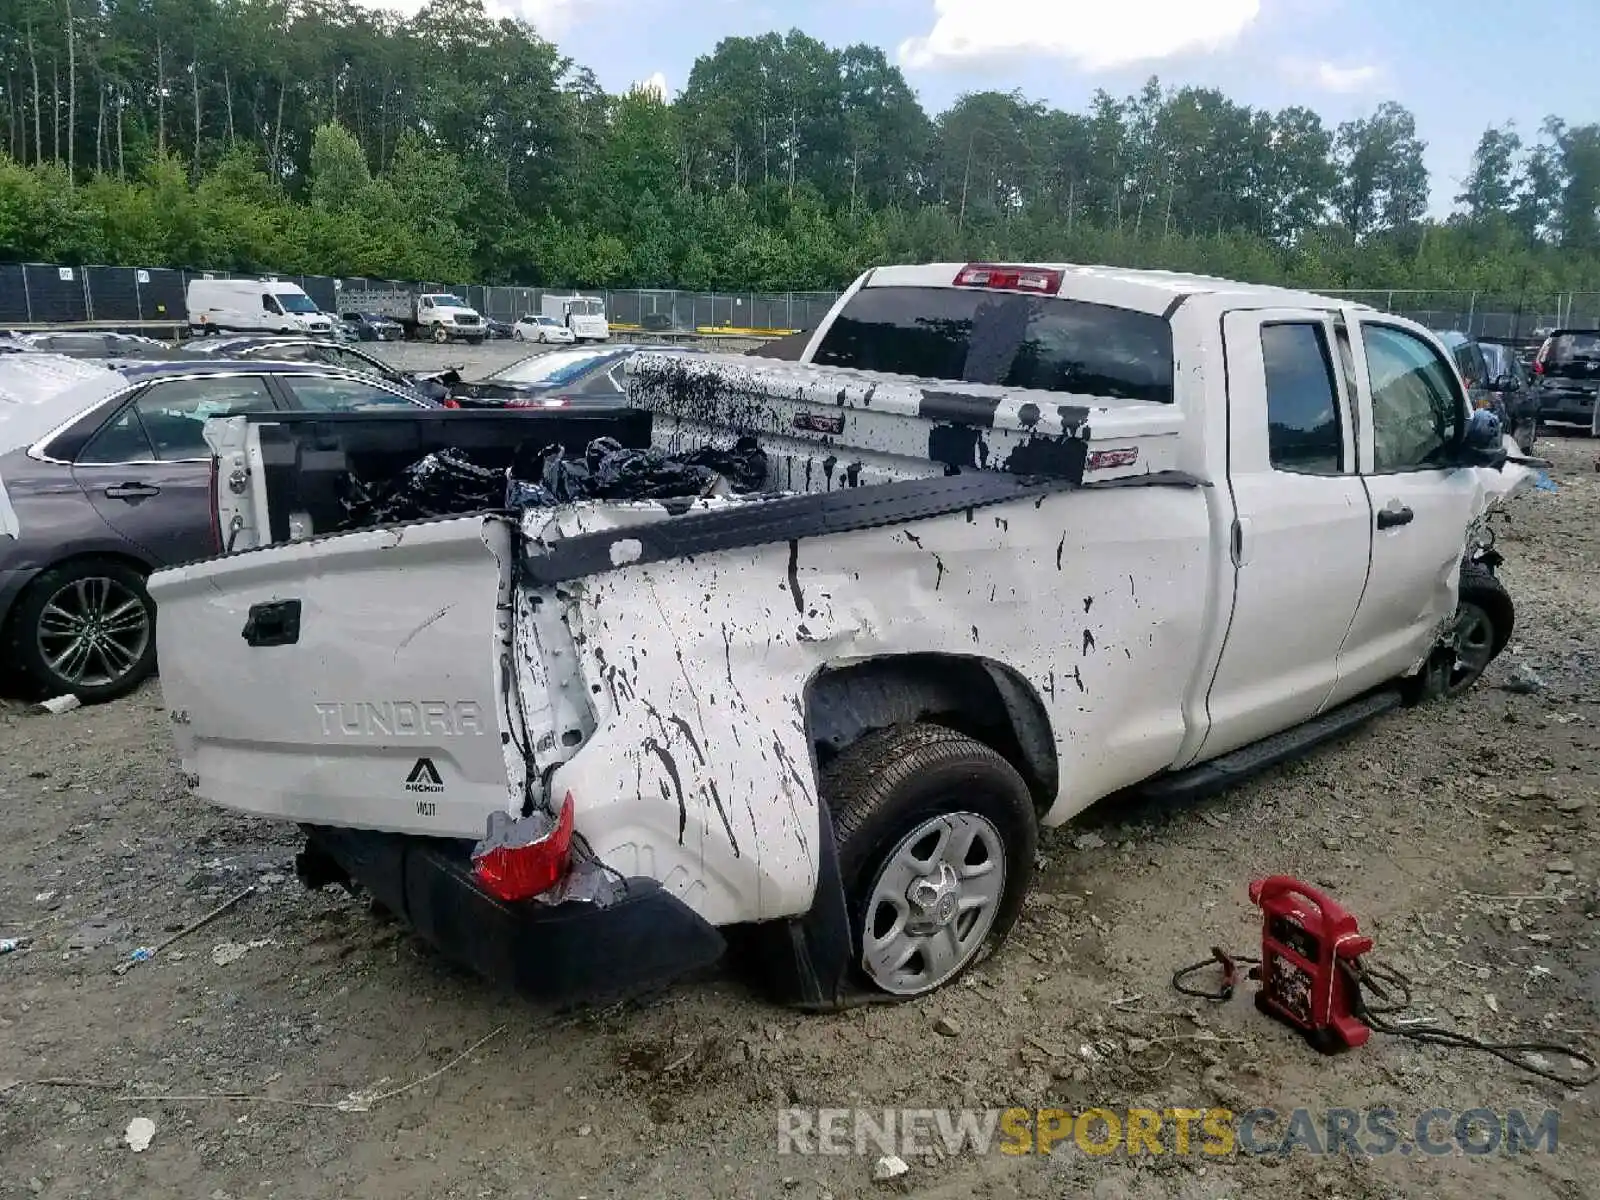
(1463, 834)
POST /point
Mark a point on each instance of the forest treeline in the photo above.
(287, 135)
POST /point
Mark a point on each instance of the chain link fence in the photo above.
(36, 294)
(39, 294)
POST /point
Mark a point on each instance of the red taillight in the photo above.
(518, 872)
(1015, 279)
(451, 403)
(1538, 367)
(216, 517)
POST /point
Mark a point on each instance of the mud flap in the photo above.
(807, 962)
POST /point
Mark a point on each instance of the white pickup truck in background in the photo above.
(1028, 536)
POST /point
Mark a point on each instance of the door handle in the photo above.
(132, 491)
(1392, 518)
(275, 623)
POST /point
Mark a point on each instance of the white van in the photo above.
(253, 306)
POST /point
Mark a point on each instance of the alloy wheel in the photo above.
(93, 631)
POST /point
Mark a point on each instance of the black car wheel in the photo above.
(87, 628)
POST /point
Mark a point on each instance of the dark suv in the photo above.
(1511, 384)
(1486, 388)
(1567, 376)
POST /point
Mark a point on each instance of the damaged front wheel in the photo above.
(1485, 617)
(937, 835)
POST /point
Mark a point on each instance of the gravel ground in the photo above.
(1462, 833)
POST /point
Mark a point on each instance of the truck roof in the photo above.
(1120, 287)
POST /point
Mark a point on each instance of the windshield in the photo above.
(1004, 338)
(586, 308)
(1565, 347)
(448, 301)
(553, 370)
(295, 302)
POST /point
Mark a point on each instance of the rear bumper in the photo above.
(642, 937)
(1567, 406)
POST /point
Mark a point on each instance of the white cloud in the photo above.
(1345, 79)
(656, 85)
(1096, 35)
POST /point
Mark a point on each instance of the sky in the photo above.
(1458, 65)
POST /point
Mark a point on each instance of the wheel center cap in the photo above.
(935, 898)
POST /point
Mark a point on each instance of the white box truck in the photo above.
(253, 306)
(584, 315)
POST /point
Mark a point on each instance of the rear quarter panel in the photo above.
(701, 773)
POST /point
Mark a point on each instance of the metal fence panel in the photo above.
(163, 294)
(113, 293)
(55, 293)
(14, 306)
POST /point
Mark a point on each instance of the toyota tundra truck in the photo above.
(1026, 537)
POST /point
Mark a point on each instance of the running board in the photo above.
(1239, 765)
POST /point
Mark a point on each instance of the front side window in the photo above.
(1303, 429)
(174, 414)
(1417, 411)
(1011, 339)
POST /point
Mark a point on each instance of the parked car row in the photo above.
(1557, 382)
(105, 475)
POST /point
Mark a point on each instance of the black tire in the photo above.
(23, 637)
(890, 783)
(1486, 617)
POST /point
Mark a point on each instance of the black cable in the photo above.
(1379, 981)
(1364, 975)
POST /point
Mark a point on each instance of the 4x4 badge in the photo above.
(424, 777)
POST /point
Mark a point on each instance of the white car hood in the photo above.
(38, 392)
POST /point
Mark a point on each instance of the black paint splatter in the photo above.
(1088, 641)
(1060, 546)
(1077, 678)
(913, 539)
(667, 761)
(794, 576)
(974, 634)
(688, 734)
(1088, 603)
(939, 578)
(727, 825)
(727, 652)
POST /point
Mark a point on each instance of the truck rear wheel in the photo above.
(937, 835)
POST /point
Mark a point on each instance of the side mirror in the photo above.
(1505, 383)
(1483, 444)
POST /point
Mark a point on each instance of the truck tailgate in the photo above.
(350, 680)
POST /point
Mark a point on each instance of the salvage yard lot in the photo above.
(1462, 834)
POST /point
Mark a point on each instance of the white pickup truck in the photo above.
(1028, 536)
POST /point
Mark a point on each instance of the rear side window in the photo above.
(1003, 338)
(343, 395)
(1303, 431)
